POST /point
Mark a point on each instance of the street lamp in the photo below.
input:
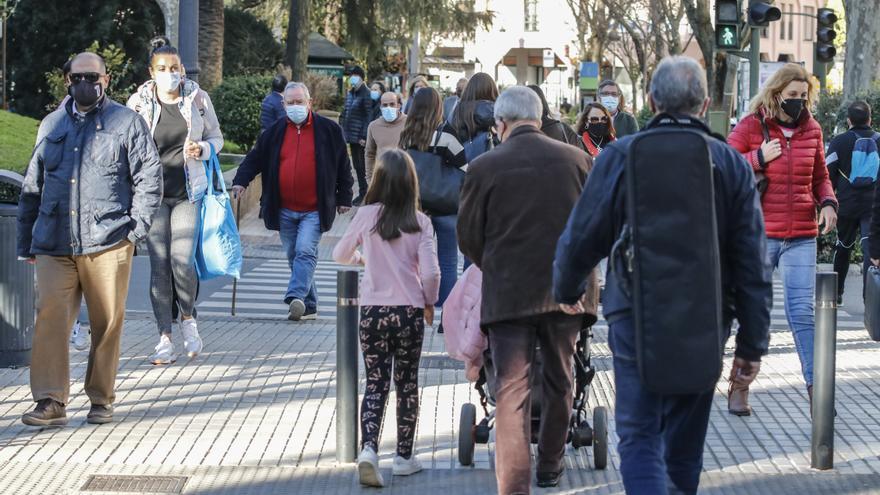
(188, 29)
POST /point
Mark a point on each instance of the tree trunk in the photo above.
(298, 29)
(700, 18)
(862, 65)
(210, 43)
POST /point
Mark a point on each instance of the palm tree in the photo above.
(210, 43)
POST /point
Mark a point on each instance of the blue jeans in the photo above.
(300, 235)
(796, 260)
(447, 253)
(661, 436)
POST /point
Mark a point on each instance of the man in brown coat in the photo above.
(514, 205)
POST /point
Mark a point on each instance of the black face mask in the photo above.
(598, 130)
(793, 107)
(86, 94)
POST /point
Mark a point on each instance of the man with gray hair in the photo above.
(514, 204)
(670, 298)
(306, 176)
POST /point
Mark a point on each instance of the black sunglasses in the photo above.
(596, 120)
(91, 77)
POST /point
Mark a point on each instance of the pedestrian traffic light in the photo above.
(761, 14)
(727, 21)
(825, 34)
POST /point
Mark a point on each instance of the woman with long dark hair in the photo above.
(596, 128)
(398, 291)
(185, 128)
(474, 117)
(554, 128)
(427, 130)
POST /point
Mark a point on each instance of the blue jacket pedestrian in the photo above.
(272, 108)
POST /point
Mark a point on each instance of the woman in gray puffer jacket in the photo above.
(185, 128)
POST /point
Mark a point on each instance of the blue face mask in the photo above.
(355, 80)
(375, 95)
(297, 113)
(389, 114)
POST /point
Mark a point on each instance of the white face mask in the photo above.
(610, 102)
(168, 81)
(297, 113)
(389, 114)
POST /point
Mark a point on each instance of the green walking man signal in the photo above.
(728, 37)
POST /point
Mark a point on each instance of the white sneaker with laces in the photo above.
(405, 467)
(164, 352)
(192, 342)
(368, 468)
(81, 339)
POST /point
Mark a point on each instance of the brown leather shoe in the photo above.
(100, 414)
(738, 400)
(48, 412)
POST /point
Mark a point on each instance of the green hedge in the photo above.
(249, 46)
(237, 102)
(831, 111)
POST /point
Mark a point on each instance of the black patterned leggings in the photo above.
(391, 334)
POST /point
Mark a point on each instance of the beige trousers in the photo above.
(61, 283)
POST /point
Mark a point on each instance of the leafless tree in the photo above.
(862, 65)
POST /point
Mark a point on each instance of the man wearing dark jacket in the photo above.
(306, 178)
(272, 108)
(514, 204)
(355, 119)
(92, 186)
(854, 215)
(662, 436)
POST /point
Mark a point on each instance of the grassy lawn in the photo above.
(17, 135)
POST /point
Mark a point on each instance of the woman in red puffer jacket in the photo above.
(782, 142)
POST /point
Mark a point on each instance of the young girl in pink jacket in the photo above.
(400, 285)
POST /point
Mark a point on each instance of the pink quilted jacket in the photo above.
(465, 341)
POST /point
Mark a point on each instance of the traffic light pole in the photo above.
(754, 61)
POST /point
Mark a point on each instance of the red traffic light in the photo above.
(761, 14)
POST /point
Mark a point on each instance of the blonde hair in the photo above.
(768, 97)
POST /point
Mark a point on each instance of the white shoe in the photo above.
(192, 343)
(164, 352)
(368, 468)
(81, 339)
(405, 467)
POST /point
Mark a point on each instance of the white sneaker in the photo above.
(192, 343)
(164, 352)
(405, 467)
(368, 468)
(81, 339)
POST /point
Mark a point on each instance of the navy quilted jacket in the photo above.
(357, 114)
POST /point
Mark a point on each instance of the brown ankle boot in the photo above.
(738, 400)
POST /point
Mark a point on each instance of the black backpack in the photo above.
(673, 259)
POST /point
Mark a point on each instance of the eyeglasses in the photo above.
(91, 77)
(596, 120)
(615, 94)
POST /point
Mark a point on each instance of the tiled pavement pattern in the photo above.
(255, 414)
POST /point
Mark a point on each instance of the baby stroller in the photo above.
(580, 433)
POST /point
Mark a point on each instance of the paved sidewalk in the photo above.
(255, 414)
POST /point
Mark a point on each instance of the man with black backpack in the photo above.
(676, 211)
(852, 160)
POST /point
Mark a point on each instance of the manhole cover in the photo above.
(440, 363)
(134, 484)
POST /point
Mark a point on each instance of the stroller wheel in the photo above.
(466, 443)
(600, 437)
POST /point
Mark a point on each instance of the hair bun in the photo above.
(159, 42)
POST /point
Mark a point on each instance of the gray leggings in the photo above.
(172, 245)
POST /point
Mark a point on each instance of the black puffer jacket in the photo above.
(561, 131)
(91, 182)
(357, 114)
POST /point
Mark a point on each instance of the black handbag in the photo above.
(439, 184)
(872, 303)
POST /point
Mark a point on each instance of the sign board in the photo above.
(589, 76)
(549, 58)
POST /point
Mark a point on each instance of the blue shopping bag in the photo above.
(218, 250)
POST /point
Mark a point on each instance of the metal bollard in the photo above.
(824, 349)
(346, 366)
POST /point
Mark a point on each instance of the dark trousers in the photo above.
(661, 436)
(391, 338)
(513, 345)
(850, 229)
(360, 167)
